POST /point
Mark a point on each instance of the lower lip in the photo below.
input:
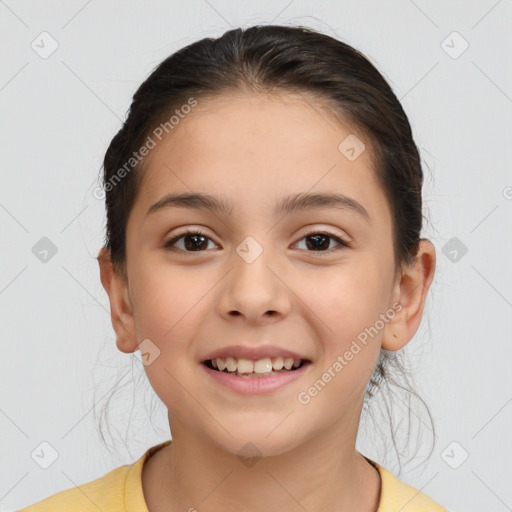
(256, 385)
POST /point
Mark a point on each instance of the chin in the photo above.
(257, 443)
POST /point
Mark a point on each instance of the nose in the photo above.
(255, 291)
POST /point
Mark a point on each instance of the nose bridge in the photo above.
(251, 260)
(253, 288)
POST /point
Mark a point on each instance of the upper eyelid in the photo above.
(309, 231)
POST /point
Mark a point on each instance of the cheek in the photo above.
(346, 300)
(346, 307)
(345, 311)
(166, 301)
(167, 311)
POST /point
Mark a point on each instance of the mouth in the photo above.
(260, 368)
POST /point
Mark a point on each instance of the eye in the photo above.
(319, 241)
(193, 240)
(197, 241)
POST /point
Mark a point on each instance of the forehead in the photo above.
(260, 145)
(295, 120)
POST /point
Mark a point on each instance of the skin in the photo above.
(253, 149)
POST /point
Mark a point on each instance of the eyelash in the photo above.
(342, 243)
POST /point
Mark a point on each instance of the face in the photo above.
(308, 281)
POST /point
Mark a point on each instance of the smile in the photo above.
(248, 376)
(263, 367)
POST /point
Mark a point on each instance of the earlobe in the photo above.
(410, 291)
(120, 305)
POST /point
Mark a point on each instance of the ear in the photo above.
(410, 291)
(121, 313)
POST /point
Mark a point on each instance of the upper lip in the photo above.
(260, 352)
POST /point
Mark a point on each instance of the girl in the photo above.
(263, 253)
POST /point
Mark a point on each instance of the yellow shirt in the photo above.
(120, 490)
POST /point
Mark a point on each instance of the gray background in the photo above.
(59, 362)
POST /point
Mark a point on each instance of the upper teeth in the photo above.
(264, 365)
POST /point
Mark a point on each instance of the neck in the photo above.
(192, 473)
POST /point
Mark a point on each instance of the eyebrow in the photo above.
(292, 203)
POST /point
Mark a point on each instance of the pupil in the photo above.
(316, 238)
(194, 247)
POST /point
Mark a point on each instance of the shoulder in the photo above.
(105, 493)
(399, 496)
(106, 490)
(113, 492)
